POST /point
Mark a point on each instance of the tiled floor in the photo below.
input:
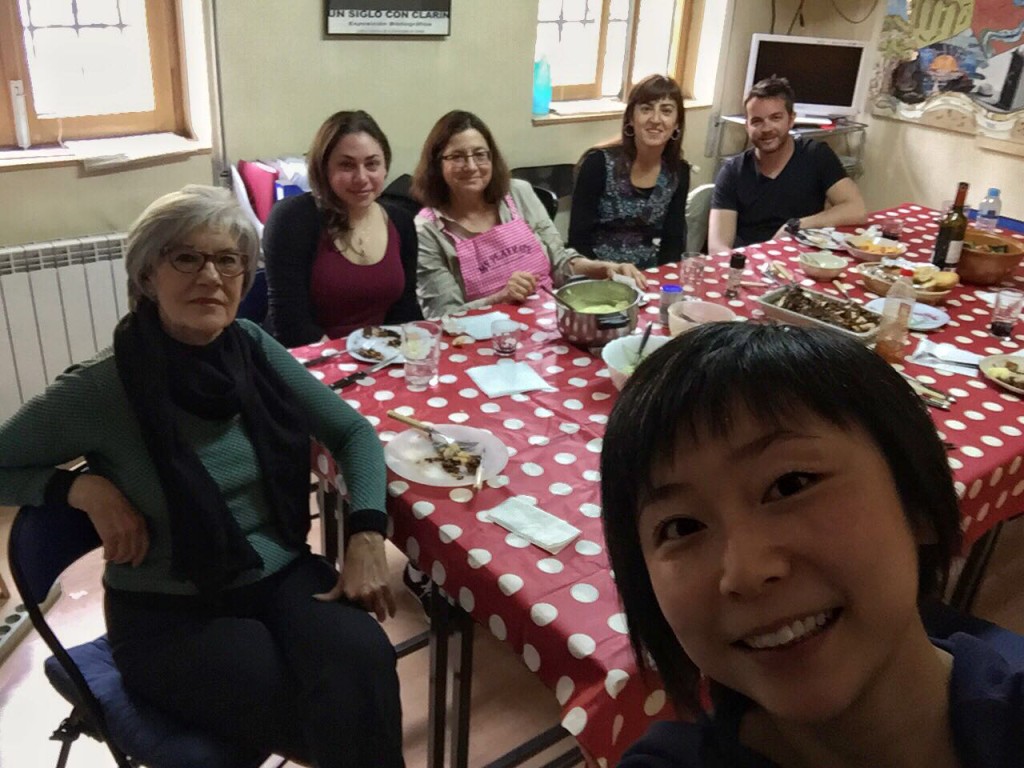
(509, 704)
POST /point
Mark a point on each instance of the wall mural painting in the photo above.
(954, 64)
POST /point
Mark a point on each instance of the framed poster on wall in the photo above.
(387, 17)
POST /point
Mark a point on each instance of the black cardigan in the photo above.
(290, 241)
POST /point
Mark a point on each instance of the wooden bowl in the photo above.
(983, 268)
(881, 286)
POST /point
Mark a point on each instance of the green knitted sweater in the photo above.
(86, 413)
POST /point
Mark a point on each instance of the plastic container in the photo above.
(541, 86)
(893, 333)
(670, 294)
(988, 211)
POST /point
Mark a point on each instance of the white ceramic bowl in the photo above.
(874, 247)
(684, 315)
(822, 265)
(620, 355)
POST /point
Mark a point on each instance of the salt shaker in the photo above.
(670, 294)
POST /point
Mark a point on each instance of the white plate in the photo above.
(408, 451)
(999, 361)
(357, 341)
(924, 317)
(821, 238)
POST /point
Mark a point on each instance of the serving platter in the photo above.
(769, 304)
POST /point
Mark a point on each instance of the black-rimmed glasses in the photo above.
(461, 159)
(189, 261)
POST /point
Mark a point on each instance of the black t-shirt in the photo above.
(763, 205)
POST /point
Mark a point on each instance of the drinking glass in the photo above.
(505, 337)
(892, 227)
(1008, 305)
(691, 275)
(421, 348)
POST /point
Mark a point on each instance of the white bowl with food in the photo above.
(822, 265)
(874, 247)
(684, 315)
(620, 355)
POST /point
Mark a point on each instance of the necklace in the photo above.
(358, 246)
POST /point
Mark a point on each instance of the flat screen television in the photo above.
(827, 75)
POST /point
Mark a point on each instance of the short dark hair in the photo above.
(773, 87)
(692, 386)
(334, 128)
(651, 89)
(428, 184)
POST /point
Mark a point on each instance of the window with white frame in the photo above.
(91, 68)
(600, 48)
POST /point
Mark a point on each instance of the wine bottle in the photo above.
(952, 228)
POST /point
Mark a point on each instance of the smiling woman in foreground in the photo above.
(777, 504)
(196, 429)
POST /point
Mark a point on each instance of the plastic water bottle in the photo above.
(988, 210)
(894, 330)
(541, 86)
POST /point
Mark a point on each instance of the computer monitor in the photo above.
(827, 75)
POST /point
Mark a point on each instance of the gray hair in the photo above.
(168, 220)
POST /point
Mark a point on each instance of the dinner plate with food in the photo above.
(374, 343)
(413, 455)
(923, 317)
(1005, 370)
(931, 285)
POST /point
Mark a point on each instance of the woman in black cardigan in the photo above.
(337, 259)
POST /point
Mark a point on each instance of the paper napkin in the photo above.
(506, 378)
(945, 356)
(477, 326)
(538, 527)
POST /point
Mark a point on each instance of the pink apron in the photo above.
(488, 260)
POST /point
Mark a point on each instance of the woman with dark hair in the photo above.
(631, 195)
(336, 258)
(196, 428)
(777, 506)
(485, 238)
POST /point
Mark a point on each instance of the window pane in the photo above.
(548, 10)
(98, 12)
(45, 13)
(614, 55)
(618, 10)
(95, 70)
(574, 59)
(653, 38)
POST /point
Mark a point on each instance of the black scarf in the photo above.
(229, 376)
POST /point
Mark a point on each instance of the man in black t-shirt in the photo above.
(781, 184)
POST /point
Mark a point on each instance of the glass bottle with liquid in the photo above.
(952, 228)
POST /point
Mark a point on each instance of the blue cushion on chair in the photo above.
(137, 728)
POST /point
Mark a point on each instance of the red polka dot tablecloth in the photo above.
(560, 613)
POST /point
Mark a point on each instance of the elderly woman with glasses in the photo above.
(485, 238)
(196, 429)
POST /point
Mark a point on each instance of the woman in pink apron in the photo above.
(485, 238)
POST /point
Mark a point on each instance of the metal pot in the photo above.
(581, 325)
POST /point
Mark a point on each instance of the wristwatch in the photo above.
(793, 226)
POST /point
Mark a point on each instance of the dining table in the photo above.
(559, 613)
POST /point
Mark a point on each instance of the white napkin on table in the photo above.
(946, 356)
(477, 326)
(506, 378)
(538, 527)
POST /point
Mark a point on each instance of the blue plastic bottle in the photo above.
(541, 86)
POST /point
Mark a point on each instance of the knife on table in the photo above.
(324, 358)
(352, 378)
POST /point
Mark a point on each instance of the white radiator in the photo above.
(59, 303)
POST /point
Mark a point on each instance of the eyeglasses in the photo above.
(461, 159)
(189, 261)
